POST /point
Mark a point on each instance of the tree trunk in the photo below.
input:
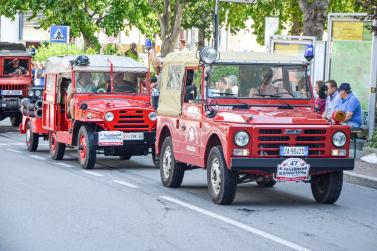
(315, 14)
(201, 38)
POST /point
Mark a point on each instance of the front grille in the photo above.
(269, 141)
(132, 120)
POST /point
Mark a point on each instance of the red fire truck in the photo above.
(15, 80)
(247, 117)
(96, 104)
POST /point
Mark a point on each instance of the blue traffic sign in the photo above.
(59, 34)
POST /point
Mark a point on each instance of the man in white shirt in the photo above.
(332, 99)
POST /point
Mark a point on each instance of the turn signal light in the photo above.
(339, 152)
(241, 152)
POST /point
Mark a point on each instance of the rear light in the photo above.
(241, 152)
(339, 152)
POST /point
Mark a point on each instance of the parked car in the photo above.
(96, 104)
(247, 117)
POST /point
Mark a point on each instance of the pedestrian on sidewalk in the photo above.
(349, 104)
(332, 99)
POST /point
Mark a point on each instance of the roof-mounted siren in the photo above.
(148, 44)
(309, 52)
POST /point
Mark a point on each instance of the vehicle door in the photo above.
(190, 120)
(49, 103)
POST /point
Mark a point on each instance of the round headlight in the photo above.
(339, 139)
(31, 93)
(109, 116)
(241, 138)
(208, 55)
(38, 93)
(152, 116)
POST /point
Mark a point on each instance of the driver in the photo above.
(83, 85)
(267, 89)
(16, 68)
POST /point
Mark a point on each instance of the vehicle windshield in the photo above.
(99, 82)
(259, 81)
(16, 66)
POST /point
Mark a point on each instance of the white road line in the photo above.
(125, 184)
(12, 150)
(63, 164)
(36, 157)
(360, 176)
(93, 173)
(19, 144)
(236, 224)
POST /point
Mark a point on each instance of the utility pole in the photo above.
(373, 82)
(216, 26)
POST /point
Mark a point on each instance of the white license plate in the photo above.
(293, 151)
(292, 170)
(110, 138)
(133, 136)
(11, 92)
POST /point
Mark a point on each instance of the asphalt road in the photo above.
(121, 205)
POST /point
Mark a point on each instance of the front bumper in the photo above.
(269, 165)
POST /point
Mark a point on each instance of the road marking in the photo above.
(93, 173)
(63, 164)
(12, 150)
(236, 224)
(125, 184)
(360, 176)
(37, 157)
(19, 144)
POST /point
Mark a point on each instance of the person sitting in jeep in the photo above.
(16, 68)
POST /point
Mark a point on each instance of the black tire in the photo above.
(125, 157)
(32, 139)
(87, 153)
(266, 182)
(326, 188)
(222, 183)
(171, 171)
(16, 120)
(57, 149)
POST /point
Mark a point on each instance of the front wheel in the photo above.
(32, 139)
(57, 149)
(86, 147)
(16, 120)
(171, 171)
(326, 188)
(222, 183)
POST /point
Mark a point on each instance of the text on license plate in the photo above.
(133, 136)
(294, 151)
(11, 92)
(110, 138)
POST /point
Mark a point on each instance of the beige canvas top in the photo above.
(174, 70)
(97, 63)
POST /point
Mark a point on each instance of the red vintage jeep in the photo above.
(96, 104)
(15, 80)
(247, 117)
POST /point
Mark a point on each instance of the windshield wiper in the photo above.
(223, 94)
(269, 95)
(286, 106)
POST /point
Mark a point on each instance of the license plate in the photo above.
(292, 170)
(293, 151)
(134, 136)
(110, 138)
(11, 92)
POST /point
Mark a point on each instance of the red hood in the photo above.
(106, 104)
(265, 116)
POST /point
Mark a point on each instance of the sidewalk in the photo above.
(364, 174)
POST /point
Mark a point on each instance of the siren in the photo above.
(148, 44)
(339, 116)
(309, 52)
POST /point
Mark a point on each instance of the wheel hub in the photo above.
(82, 147)
(216, 176)
(28, 135)
(166, 163)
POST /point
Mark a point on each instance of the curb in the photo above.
(360, 179)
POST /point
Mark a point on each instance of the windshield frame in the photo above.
(308, 82)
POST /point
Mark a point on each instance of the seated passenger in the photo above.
(349, 104)
(16, 68)
(121, 85)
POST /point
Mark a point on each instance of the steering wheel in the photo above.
(101, 90)
(277, 80)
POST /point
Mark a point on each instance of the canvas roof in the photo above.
(13, 50)
(190, 58)
(99, 63)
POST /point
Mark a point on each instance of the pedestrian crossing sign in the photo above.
(59, 34)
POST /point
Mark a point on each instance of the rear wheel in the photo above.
(32, 139)
(16, 120)
(57, 149)
(326, 188)
(222, 183)
(86, 147)
(171, 171)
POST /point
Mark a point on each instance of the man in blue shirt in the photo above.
(350, 105)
